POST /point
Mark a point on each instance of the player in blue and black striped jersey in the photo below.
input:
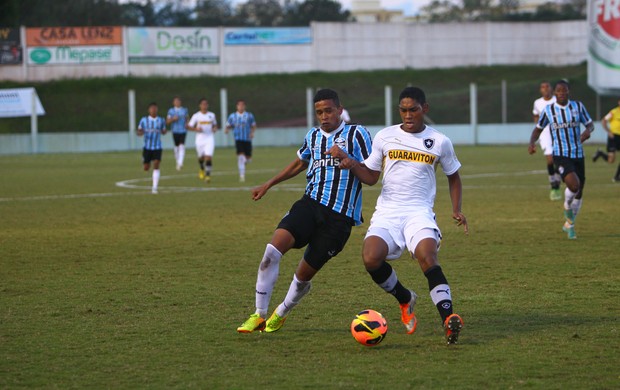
(152, 127)
(565, 118)
(322, 219)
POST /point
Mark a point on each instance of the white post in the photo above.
(223, 106)
(388, 105)
(34, 125)
(473, 110)
(504, 102)
(309, 108)
(132, 118)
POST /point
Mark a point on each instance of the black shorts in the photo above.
(322, 229)
(613, 144)
(244, 147)
(179, 138)
(150, 155)
(565, 165)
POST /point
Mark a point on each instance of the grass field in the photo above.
(104, 286)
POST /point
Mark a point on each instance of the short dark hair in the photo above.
(151, 104)
(202, 99)
(327, 94)
(562, 82)
(414, 93)
(240, 101)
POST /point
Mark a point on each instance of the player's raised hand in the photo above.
(460, 220)
(259, 192)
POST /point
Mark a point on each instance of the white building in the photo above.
(370, 11)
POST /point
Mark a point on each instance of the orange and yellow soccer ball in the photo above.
(369, 327)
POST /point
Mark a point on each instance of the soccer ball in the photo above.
(369, 327)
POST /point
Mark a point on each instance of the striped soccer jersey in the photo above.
(329, 185)
(178, 126)
(242, 125)
(152, 131)
(565, 126)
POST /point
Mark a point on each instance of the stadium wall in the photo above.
(339, 47)
(460, 134)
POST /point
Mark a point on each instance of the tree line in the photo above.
(182, 13)
(255, 13)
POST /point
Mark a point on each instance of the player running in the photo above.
(546, 143)
(204, 123)
(564, 118)
(152, 127)
(177, 118)
(321, 220)
(611, 124)
(244, 125)
(408, 155)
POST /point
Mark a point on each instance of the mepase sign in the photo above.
(172, 45)
(77, 55)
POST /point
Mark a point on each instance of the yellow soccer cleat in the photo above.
(255, 322)
(201, 174)
(274, 323)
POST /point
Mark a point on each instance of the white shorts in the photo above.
(546, 143)
(205, 145)
(403, 231)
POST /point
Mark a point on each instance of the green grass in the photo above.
(279, 99)
(108, 287)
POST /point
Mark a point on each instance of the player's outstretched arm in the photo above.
(456, 196)
(531, 148)
(292, 170)
(361, 171)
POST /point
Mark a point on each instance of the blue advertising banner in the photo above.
(268, 36)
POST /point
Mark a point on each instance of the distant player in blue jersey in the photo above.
(565, 118)
(152, 127)
(321, 220)
(177, 119)
(243, 125)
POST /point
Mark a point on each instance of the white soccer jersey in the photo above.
(546, 143)
(409, 162)
(540, 104)
(205, 122)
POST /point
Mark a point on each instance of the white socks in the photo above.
(241, 164)
(155, 179)
(390, 283)
(296, 291)
(569, 196)
(181, 155)
(576, 206)
(268, 271)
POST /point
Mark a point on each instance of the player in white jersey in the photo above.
(546, 143)
(408, 154)
(204, 123)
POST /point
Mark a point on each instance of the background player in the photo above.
(204, 123)
(546, 143)
(564, 118)
(177, 119)
(408, 154)
(611, 124)
(244, 125)
(321, 220)
(152, 127)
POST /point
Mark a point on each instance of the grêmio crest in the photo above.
(429, 143)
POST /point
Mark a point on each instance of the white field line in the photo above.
(145, 189)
